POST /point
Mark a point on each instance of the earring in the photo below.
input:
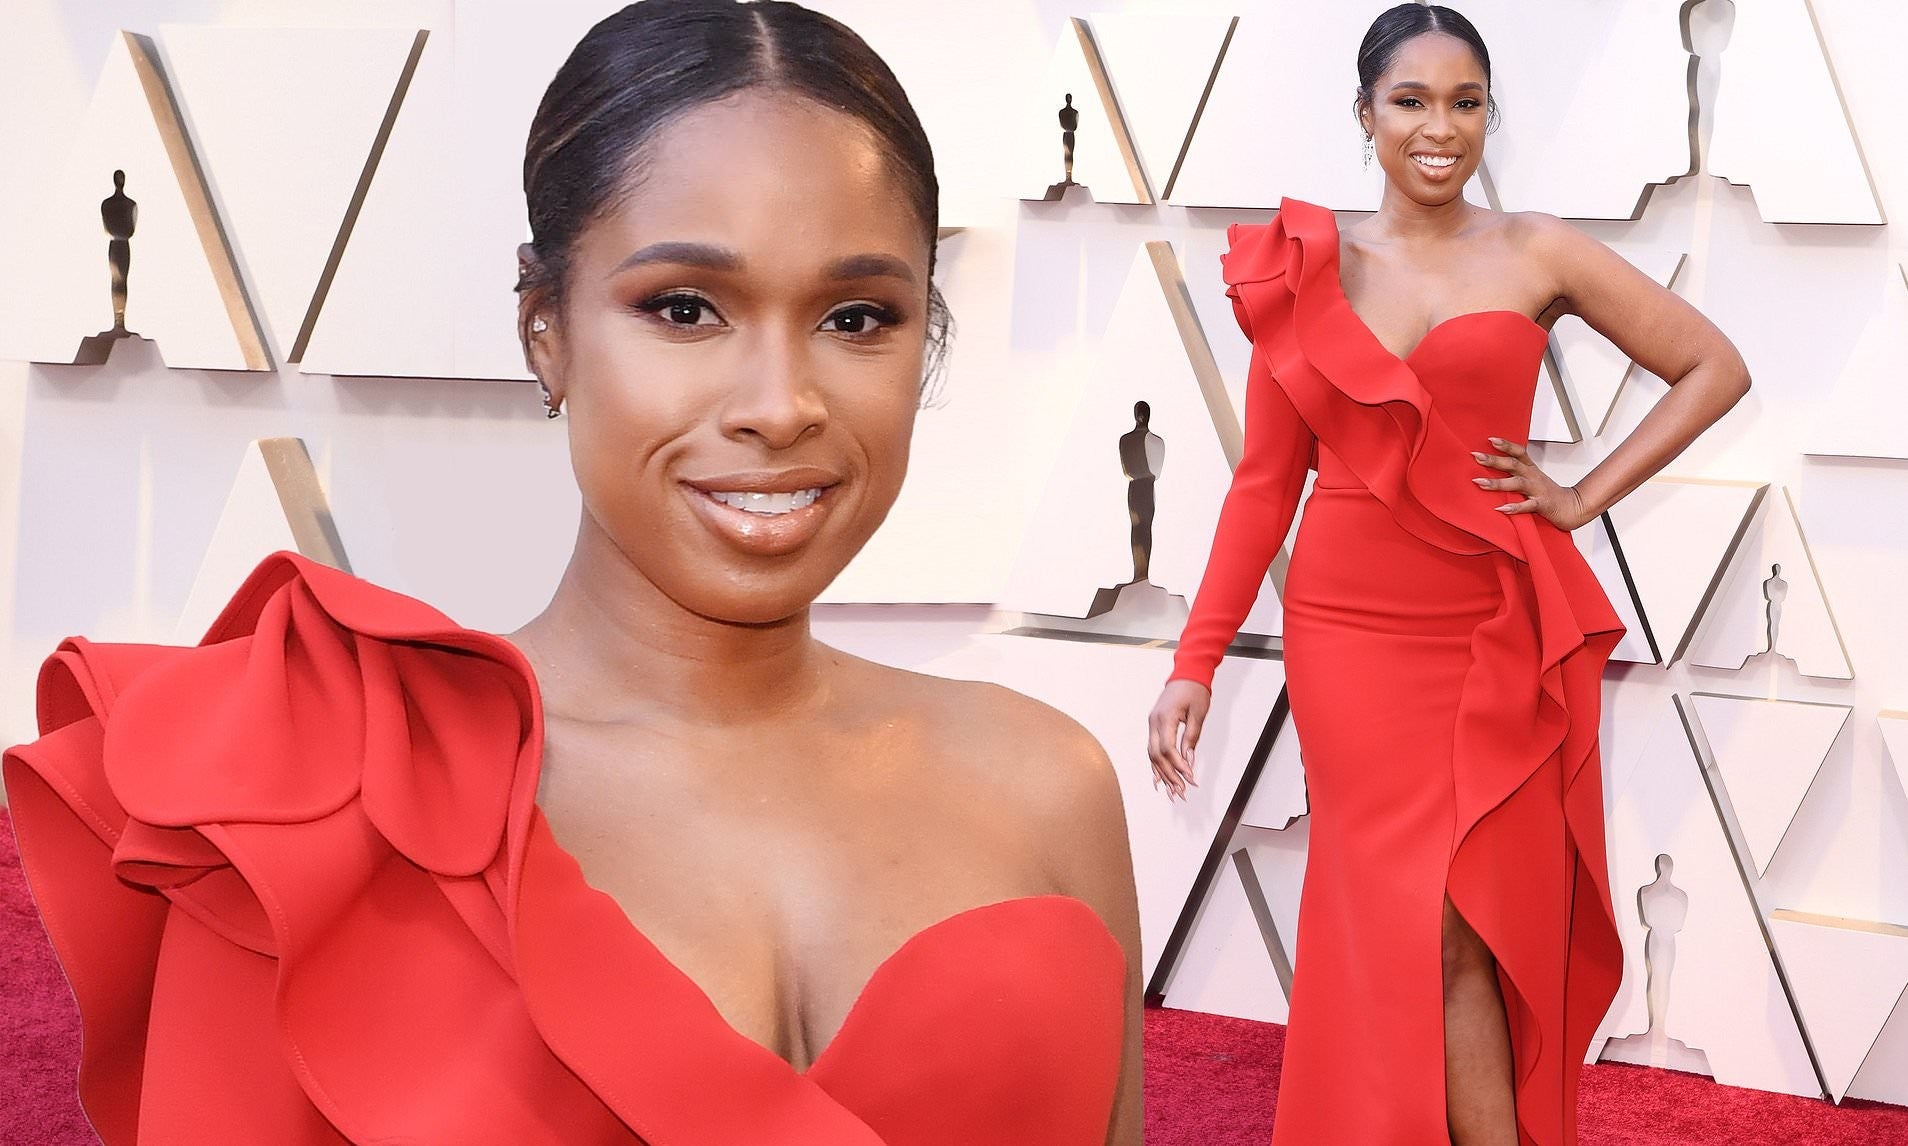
(1370, 148)
(551, 408)
(538, 326)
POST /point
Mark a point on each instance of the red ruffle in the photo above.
(1526, 728)
(377, 938)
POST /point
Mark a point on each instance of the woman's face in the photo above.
(739, 351)
(1427, 117)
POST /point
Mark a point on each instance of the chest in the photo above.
(778, 874)
(1402, 297)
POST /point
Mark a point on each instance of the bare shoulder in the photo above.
(1012, 737)
(1538, 227)
(1553, 241)
(1037, 760)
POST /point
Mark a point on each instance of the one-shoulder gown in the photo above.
(1444, 666)
(301, 887)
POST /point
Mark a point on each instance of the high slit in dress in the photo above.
(1444, 665)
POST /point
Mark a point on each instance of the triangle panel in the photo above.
(1768, 753)
(1078, 538)
(1849, 977)
(182, 286)
(1226, 967)
(1160, 64)
(1099, 155)
(1724, 996)
(1678, 535)
(1773, 587)
(287, 121)
(1777, 82)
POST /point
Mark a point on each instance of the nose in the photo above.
(1439, 126)
(777, 400)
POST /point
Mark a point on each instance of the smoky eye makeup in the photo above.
(862, 320)
(681, 308)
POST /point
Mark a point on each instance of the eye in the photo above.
(681, 309)
(859, 319)
(1469, 104)
(1409, 101)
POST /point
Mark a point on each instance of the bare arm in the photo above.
(1082, 819)
(1661, 333)
(1102, 862)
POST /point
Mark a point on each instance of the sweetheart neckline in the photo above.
(696, 990)
(883, 969)
(1338, 284)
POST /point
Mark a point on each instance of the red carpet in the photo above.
(1210, 1081)
(39, 1023)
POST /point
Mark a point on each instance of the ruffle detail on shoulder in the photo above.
(1255, 253)
(315, 689)
(1528, 714)
(328, 779)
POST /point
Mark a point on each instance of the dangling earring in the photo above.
(551, 408)
(1370, 148)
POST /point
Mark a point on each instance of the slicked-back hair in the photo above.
(1396, 27)
(642, 67)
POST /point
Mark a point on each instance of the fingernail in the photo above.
(1480, 455)
(1499, 442)
(1482, 481)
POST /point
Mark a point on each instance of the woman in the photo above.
(1444, 641)
(659, 867)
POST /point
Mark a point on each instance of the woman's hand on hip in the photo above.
(1172, 732)
(1561, 505)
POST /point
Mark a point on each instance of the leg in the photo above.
(1480, 1105)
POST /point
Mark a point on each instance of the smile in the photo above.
(766, 513)
(1436, 161)
(768, 504)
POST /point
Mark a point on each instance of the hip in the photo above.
(1353, 564)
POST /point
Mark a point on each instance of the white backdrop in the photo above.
(454, 488)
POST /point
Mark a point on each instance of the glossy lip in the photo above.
(1435, 174)
(766, 481)
(756, 534)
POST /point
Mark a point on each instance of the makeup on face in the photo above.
(744, 338)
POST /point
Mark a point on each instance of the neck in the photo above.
(1400, 217)
(612, 647)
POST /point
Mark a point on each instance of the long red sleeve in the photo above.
(1253, 523)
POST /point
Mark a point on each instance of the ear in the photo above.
(537, 321)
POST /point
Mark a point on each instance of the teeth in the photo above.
(1436, 160)
(767, 504)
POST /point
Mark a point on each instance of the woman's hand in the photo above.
(1561, 505)
(1181, 704)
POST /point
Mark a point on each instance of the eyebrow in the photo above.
(705, 255)
(1420, 86)
(711, 257)
(871, 266)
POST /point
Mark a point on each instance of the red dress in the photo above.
(303, 892)
(1444, 665)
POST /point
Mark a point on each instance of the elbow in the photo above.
(1728, 377)
(1737, 378)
